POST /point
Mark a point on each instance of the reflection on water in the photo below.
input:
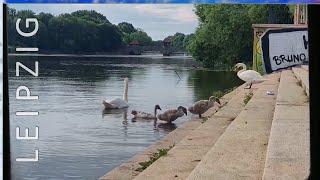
(167, 126)
(78, 139)
(115, 113)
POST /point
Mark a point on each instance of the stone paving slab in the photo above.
(128, 171)
(241, 150)
(288, 150)
(186, 154)
(293, 95)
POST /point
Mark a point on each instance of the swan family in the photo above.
(249, 76)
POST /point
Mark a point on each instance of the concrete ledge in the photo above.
(288, 147)
(303, 76)
(128, 171)
(240, 152)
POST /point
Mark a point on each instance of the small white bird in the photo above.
(144, 115)
(118, 103)
(249, 76)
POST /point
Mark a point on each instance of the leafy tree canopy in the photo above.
(80, 31)
(225, 35)
(126, 28)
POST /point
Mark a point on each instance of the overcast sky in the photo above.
(158, 20)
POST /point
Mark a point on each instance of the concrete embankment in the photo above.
(288, 155)
(267, 138)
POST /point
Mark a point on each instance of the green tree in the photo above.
(141, 37)
(279, 14)
(224, 35)
(80, 31)
(126, 28)
(177, 41)
(187, 40)
(90, 16)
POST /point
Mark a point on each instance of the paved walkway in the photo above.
(289, 146)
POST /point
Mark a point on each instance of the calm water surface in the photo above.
(78, 140)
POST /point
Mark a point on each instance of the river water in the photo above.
(77, 139)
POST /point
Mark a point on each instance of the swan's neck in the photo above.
(244, 68)
(180, 112)
(125, 92)
(155, 112)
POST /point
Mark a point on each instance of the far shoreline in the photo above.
(158, 56)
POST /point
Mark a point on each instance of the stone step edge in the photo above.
(305, 85)
(220, 139)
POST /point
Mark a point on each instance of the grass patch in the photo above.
(218, 94)
(204, 119)
(299, 83)
(155, 156)
(247, 98)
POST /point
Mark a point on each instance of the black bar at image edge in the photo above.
(314, 75)
(5, 107)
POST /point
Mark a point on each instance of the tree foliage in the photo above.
(225, 35)
(80, 31)
(180, 41)
(127, 28)
(138, 36)
(132, 34)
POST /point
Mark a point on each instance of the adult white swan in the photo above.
(118, 103)
(249, 76)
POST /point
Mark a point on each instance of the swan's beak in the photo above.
(235, 68)
(185, 111)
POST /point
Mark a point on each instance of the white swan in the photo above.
(118, 103)
(144, 115)
(249, 76)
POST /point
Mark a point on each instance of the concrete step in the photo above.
(303, 77)
(127, 170)
(288, 147)
(241, 150)
(185, 155)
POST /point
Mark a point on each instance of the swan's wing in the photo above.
(119, 103)
(107, 105)
(144, 115)
(201, 106)
(250, 76)
(167, 114)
